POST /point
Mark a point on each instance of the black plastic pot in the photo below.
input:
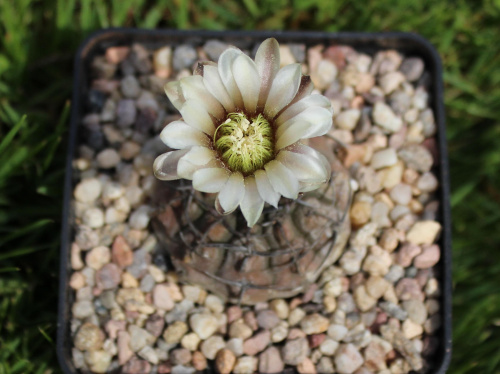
(406, 43)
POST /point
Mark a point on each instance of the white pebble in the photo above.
(384, 158)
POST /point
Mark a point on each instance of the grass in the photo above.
(39, 38)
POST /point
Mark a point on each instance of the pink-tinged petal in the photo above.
(267, 61)
(194, 89)
(305, 88)
(283, 89)
(210, 180)
(308, 151)
(165, 165)
(231, 195)
(225, 67)
(248, 81)
(282, 179)
(197, 117)
(266, 190)
(301, 105)
(214, 85)
(174, 94)
(304, 167)
(200, 68)
(180, 135)
(197, 158)
(252, 204)
(311, 122)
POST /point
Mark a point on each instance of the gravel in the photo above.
(371, 311)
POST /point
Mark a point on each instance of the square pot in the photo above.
(405, 43)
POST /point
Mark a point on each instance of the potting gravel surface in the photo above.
(376, 310)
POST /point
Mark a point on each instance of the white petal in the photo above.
(306, 150)
(248, 81)
(180, 135)
(214, 85)
(266, 191)
(282, 179)
(232, 193)
(210, 180)
(304, 167)
(197, 158)
(193, 88)
(252, 203)
(267, 60)
(314, 121)
(283, 90)
(225, 67)
(309, 186)
(174, 94)
(165, 165)
(197, 117)
(301, 105)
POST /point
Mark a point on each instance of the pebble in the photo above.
(181, 369)
(347, 359)
(306, 367)
(180, 356)
(98, 257)
(88, 190)
(184, 57)
(416, 157)
(162, 298)
(126, 113)
(296, 316)
(423, 232)
(139, 219)
(236, 346)
(199, 361)
(295, 351)
(108, 276)
(325, 366)
(98, 361)
(162, 62)
(416, 310)
(214, 303)
(77, 280)
(154, 324)
(174, 333)
(270, 361)
(203, 324)
(384, 117)
(267, 319)
(280, 332)
(108, 158)
(374, 357)
(377, 262)
(393, 310)
(428, 258)
(360, 213)
(245, 365)
(363, 300)
(211, 346)
(401, 194)
(139, 338)
(130, 87)
(324, 74)
(121, 253)
(384, 158)
(89, 337)
(82, 309)
(376, 286)
(408, 288)
(348, 119)
(190, 341)
(411, 329)
(214, 48)
(149, 354)
(329, 346)
(280, 307)
(337, 332)
(407, 253)
(391, 81)
(224, 361)
(412, 68)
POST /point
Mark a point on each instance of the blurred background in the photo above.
(38, 39)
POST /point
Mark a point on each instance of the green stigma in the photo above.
(244, 145)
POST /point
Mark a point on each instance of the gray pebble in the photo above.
(184, 57)
(393, 310)
(126, 113)
(214, 48)
(412, 68)
(130, 87)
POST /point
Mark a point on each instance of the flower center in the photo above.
(244, 145)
